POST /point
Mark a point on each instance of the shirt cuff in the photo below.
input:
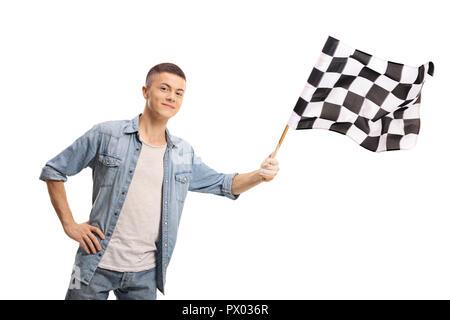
(226, 187)
(49, 173)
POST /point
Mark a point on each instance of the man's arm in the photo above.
(207, 180)
(70, 161)
(82, 232)
(245, 181)
(74, 158)
(58, 197)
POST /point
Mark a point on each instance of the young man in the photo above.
(141, 175)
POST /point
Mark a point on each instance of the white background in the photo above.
(338, 221)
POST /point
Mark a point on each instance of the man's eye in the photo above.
(163, 88)
(180, 94)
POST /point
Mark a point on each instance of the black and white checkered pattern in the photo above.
(373, 101)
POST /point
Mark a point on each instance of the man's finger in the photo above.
(84, 246)
(272, 160)
(267, 172)
(271, 167)
(89, 242)
(95, 240)
(98, 231)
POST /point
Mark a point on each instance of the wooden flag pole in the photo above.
(281, 140)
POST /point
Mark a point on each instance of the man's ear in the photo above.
(144, 92)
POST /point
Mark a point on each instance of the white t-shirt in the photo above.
(132, 246)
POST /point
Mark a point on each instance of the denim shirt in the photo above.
(111, 149)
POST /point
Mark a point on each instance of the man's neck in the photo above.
(152, 131)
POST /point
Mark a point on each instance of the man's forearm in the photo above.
(58, 198)
(244, 181)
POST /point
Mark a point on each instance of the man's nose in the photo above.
(171, 97)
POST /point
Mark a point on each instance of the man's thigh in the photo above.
(98, 289)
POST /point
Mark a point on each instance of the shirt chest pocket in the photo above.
(108, 167)
(182, 180)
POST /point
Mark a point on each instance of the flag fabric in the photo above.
(373, 101)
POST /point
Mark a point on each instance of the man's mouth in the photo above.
(168, 105)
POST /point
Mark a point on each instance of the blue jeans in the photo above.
(126, 286)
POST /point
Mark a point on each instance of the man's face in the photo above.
(165, 95)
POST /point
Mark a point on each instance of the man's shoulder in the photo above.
(183, 145)
(112, 127)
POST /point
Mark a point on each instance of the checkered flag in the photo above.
(373, 101)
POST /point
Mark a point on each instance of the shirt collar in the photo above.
(133, 126)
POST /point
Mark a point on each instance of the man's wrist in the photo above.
(259, 176)
(67, 222)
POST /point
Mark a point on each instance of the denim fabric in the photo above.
(125, 285)
(111, 149)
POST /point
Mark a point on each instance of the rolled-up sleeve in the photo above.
(49, 173)
(74, 158)
(226, 187)
(207, 180)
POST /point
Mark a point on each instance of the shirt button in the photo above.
(131, 171)
(123, 192)
(165, 244)
(100, 254)
(165, 265)
(115, 213)
(184, 179)
(107, 162)
(137, 149)
(108, 234)
(165, 222)
(167, 180)
(165, 202)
